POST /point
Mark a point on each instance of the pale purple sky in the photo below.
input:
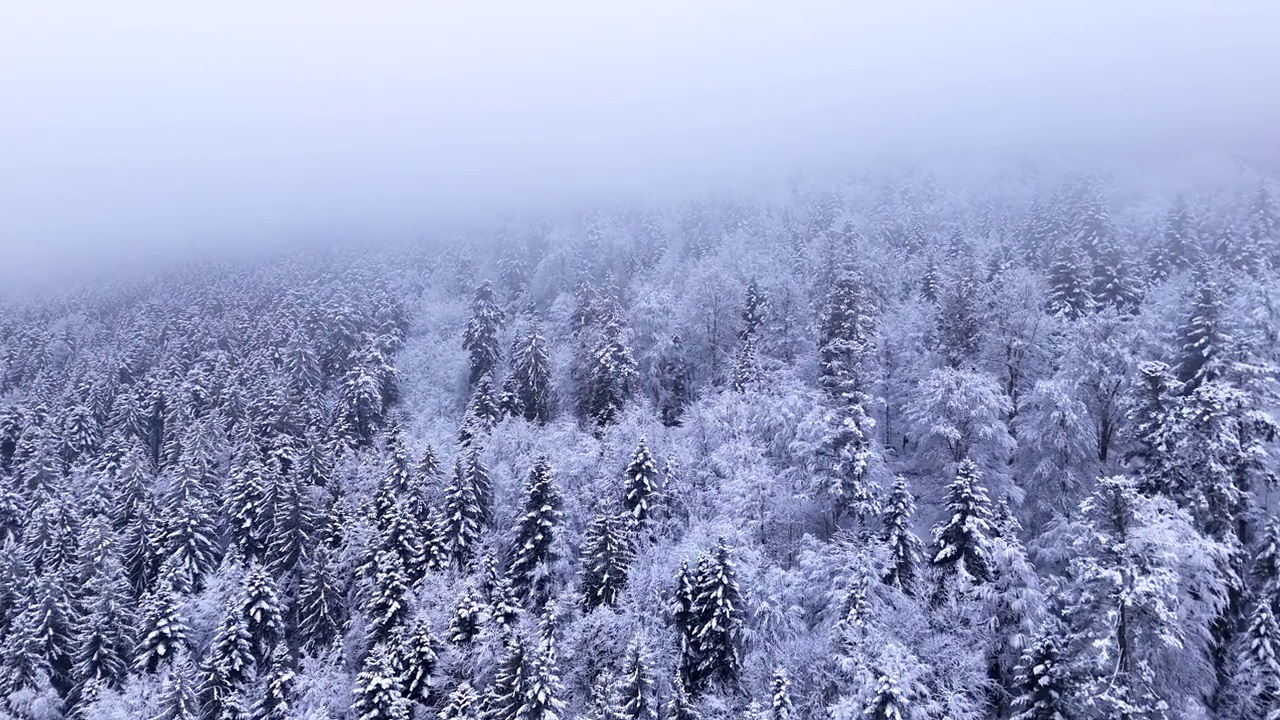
(131, 125)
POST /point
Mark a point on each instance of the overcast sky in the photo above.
(129, 125)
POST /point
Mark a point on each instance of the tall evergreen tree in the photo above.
(606, 555)
(720, 614)
(1203, 336)
(961, 553)
(228, 665)
(387, 606)
(177, 698)
(104, 636)
(480, 339)
(1042, 690)
(887, 702)
(535, 533)
(319, 602)
(897, 535)
(417, 660)
(163, 630)
(781, 708)
(531, 377)
(636, 688)
(611, 376)
(279, 688)
(846, 338)
(641, 483)
(1069, 284)
(263, 615)
(753, 309)
(463, 514)
(673, 383)
(379, 690)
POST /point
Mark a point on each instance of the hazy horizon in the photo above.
(146, 126)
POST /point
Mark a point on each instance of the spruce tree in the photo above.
(228, 665)
(1069, 284)
(417, 662)
(720, 613)
(506, 694)
(279, 688)
(465, 624)
(1203, 336)
(673, 383)
(781, 708)
(887, 703)
(177, 697)
(292, 519)
(104, 635)
(960, 554)
(482, 413)
(606, 555)
(903, 544)
(542, 695)
(636, 691)
(753, 309)
(379, 690)
(611, 376)
(535, 533)
(387, 606)
(1041, 691)
(531, 377)
(261, 609)
(679, 705)
(163, 630)
(463, 515)
(245, 502)
(462, 704)
(1262, 659)
(191, 537)
(641, 483)
(846, 339)
(684, 617)
(480, 338)
(746, 365)
(1180, 245)
(319, 602)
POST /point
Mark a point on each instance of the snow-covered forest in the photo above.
(895, 447)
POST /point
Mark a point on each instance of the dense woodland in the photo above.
(892, 448)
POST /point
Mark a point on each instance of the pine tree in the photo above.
(606, 555)
(636, 691)
(684, 617)
(462, 704)
(611, 376)
(103, 638)
(673, 383)
(261, 609)
(1262, 658)
(930, 282)
(480, 339)
(719, 611)
(781, 708)
(746, 365)
(904, 546)
(1069, 293)
(465, 624)
(531, 377)
(177, 698)
(379, 691)
(279, 690)
(386, 607)
(506, 694)
(163, 630)
(961, 554)
(319, 602)
(846, 339)
(228, 665)
(753, 309)
(542, 684)
(1041, 690)
(1203, 337)
(888, 702)
(535, 533)
(417, 661)
(959, 330)
(1114, 284)
(641, 483)
(463, 515)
